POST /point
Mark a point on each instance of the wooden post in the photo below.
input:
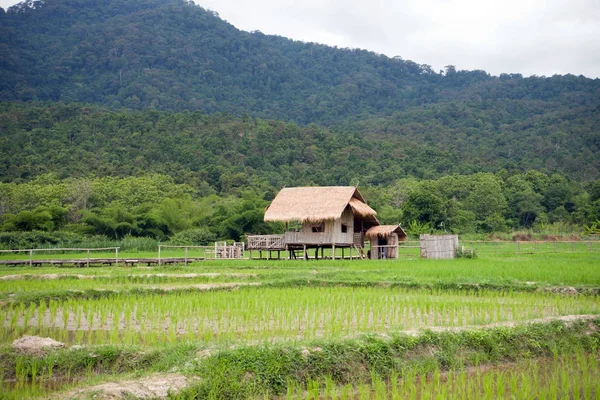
(159, 255)
(305, 258)
(88, 258)
(30, 257)
(117, 256)
(333, 251)
(186, 256)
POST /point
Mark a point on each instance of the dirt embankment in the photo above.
(155, 386)
(36, 346)
(18, 277)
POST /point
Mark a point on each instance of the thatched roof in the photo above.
(383, 231)
(317, 204)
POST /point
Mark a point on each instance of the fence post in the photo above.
(159, 255)
(117, 256)
(186, 256)
(88, 257)
(30, 257)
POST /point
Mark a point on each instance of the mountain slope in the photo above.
(227, 153)
(175, 55)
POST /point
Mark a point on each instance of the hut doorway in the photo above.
(382, 248)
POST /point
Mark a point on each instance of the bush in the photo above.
(461, 252)
(194, 237)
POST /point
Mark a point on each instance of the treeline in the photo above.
(174, 55)
(51, 211)
(151, 206)
(490, 203)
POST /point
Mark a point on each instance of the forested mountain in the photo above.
(225, 152)
(172, 54)
(157, 118)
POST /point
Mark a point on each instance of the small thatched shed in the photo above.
(384, 241)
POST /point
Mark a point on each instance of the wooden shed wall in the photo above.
(438, 246)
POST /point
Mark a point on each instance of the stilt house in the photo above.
(327, 217)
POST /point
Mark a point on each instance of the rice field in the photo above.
(562, 377)
(218, 305)
(255, 314)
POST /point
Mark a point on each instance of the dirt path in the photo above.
(149, 387)
(507, 324)
(18, 277)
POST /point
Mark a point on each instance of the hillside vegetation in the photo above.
(100, 95)
(175, 55)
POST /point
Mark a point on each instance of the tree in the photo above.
(423, 206)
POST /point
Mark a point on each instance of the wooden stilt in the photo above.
(305, 255)
(333, 251)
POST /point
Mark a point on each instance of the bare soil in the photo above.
(155, 386)
(508, 324)
(17, 277)
(35, 345)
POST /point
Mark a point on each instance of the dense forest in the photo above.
(156, 118)
(48, 211)
(174, 55)
(225, 153)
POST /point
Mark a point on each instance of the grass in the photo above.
(573, 269)
(311, 327)
(279, 369)
(254, 315)
(574, 376)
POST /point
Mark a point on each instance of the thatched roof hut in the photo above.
(384, 241)
(384, 231)
(318, 204)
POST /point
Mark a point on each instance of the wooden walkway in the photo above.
(95, 262)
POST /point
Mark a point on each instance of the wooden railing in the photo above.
(266, 242)
(278, 242)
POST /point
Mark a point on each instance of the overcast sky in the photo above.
(532, 37)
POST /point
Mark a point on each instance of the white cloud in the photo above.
(541, 37)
